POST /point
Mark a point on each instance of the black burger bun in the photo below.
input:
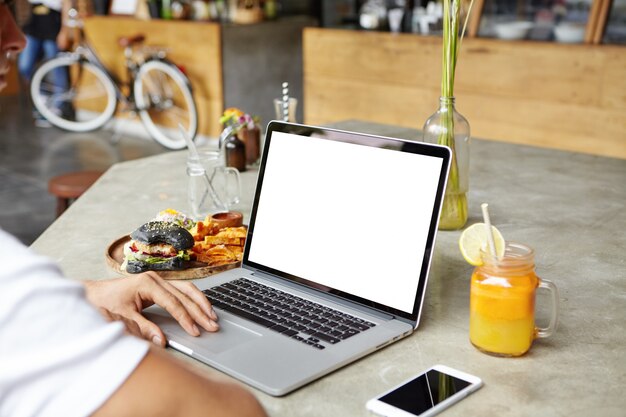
(163, 232)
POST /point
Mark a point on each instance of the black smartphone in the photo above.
(425, 395)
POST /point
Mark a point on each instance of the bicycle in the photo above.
(76, 92)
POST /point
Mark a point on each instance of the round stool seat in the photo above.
(70, 186)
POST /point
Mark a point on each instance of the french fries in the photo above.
(216, 246)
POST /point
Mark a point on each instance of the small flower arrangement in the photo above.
(239, 120)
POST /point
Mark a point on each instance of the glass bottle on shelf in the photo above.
(180, 10)
(200, 10)
(270, 9)
(373, 15)
(166, 9)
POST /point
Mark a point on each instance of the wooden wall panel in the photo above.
(614, 81)
(194, 46)
(531, 71)
(569, 97)
(370, 56)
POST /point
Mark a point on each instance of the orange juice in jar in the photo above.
(502, 302)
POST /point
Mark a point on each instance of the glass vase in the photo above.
(449, 128)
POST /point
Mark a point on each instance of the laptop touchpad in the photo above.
(228, 337)
(230, 334)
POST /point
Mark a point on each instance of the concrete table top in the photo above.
(569, 207)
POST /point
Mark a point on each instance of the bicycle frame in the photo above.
(84, 52)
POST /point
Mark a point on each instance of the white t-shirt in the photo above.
(58, 356)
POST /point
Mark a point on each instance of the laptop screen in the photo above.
(346, 213)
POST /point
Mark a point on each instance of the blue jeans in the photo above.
(46, 49)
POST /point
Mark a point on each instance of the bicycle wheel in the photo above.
(73, 94)
(164, 101)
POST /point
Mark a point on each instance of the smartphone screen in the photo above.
(424, 392)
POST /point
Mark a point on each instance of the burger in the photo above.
(159, 246)
(174, 216)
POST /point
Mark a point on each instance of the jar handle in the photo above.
(554, 317)
(234, 189)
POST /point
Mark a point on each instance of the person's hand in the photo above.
(124, 299)
(63, 39)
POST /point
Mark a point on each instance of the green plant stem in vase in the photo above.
(447, 126)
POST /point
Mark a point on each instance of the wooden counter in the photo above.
(570, 97)
(195, 46)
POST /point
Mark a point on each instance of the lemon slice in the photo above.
(474, 238)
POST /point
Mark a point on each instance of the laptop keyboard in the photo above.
(287, 314)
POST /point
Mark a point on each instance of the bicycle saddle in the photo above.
(126, 41)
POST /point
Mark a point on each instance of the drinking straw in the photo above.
(285, 101)
(492, 244)
(194, 153)
(190, 145)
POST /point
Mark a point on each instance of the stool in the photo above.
(70, 186)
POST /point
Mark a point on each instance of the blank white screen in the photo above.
(350, 217)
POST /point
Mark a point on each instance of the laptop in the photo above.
(340, 241)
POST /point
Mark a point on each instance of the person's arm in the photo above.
(124, 299)
(164, 386)
(64, 37)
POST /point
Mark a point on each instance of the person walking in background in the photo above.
(45, 37)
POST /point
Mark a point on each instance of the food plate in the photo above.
(115, 256)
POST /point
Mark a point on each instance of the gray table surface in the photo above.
(569, 207)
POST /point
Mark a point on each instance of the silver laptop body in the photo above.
(343, 225)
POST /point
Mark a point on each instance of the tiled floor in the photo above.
(30, 156)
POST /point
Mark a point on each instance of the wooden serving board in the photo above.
(114, 256)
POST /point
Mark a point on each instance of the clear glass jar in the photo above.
(502, 303)
(212, 187)
(449, 128)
